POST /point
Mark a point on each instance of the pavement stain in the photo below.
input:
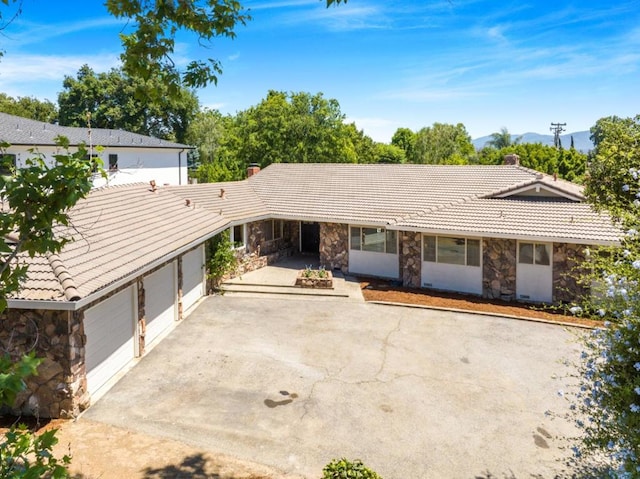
(270, 403)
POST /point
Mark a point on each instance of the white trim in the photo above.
(489, 234)
(538, 185)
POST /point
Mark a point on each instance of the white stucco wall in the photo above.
(369, 263)
(452, 277)
(134, 164)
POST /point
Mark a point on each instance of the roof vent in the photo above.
(187, 202)
(154, 188)
(539, 176)
(222, 193)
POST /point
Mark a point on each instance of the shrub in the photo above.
(345, 469)
(221, 257)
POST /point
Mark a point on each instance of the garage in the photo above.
(161, 310)
(192, 277)
(110, 331)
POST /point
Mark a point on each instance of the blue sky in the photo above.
(389, 63)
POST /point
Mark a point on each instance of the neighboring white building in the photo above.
(127, 157)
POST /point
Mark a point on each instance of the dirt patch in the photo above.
(379, 290)
(101, 451)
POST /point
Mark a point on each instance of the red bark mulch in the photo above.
(380, 290)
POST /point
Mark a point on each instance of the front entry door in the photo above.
(310, 237)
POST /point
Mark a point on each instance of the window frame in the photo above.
(435, 253)
(390, 239)
(273, 229)
(548, 250)
(238, 244)
(113, 161)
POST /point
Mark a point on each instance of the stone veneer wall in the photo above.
(566, 258)
(411, 258)
(59, 390)
(334, 246)
(499, 268)
(260, 253)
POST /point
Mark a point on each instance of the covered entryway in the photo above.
(110, 330)
(534, 273)
(192, 277)
(161, 309)
(309, 237)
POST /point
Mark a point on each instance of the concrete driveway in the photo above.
(413, 393)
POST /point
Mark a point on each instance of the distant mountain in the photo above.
(581, 140)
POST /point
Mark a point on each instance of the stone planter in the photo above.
(311, 279)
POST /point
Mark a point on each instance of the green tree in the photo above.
(443, 144)
(384, 153)
(29, 107)
(406, 139)
(608, 401)
(110, 99)
(502, 139)
(293, 128)
(568, 164)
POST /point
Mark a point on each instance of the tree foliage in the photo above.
(568, 164)
(502, 139)
(609, 396)
(29, 107)
(149, 49)
(443, 144)
(110, 99)
(294, 128)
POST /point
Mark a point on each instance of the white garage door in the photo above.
(192, 277)
(110, 330)
(160, 301)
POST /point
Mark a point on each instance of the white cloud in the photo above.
(42, 75)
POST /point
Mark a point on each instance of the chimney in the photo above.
(253, 169)
(512, 160)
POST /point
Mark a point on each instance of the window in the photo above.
(237, 235)
(534, 253)
(8, 164)
(375, 240)
(113, 162)
(272, 230)
(450, 250)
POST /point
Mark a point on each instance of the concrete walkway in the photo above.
(279, 279)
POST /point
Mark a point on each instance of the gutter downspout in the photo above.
(180, 166)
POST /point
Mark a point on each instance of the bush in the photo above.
(343, 469)
(221, 257)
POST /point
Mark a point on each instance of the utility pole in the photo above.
(556, 129)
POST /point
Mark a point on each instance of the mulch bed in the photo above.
(380, 290)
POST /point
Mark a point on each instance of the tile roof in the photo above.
(23, 131)
(540, 219)
(236, 200)
(121, 230)
(375, 193)
(117, 231)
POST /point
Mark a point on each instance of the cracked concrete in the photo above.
(413, 393)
